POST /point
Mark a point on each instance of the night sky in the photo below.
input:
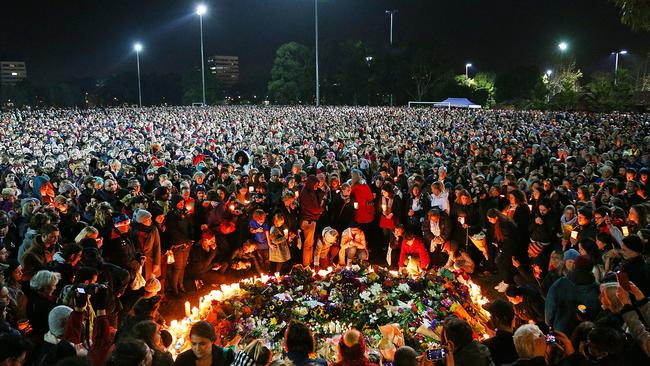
(91, 38)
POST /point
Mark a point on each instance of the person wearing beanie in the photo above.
(586, 228)
(147, 241)
(57, 320)
(569, 258)
(634, 264)
(578, 288)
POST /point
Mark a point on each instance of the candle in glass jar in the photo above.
(251, 189)
(356, 205)
(286, 232)
(297, 194)
(626, 231)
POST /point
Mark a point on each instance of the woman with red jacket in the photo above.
(412, 246)
(363, 199)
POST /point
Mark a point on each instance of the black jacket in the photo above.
(502, 348)
(220, 357)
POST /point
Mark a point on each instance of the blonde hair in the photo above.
(608, 290)
(86, 233)
(258, 352)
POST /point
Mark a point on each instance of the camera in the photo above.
(91, 289)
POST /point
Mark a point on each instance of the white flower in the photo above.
(376, 289)
(365, 296)
(403, 287)
(301, 311)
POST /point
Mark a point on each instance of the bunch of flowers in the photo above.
(332, 301)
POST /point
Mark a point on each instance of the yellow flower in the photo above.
(274, 321)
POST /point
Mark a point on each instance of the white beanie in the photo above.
(330, 235)
(57, 319)
(141, 215)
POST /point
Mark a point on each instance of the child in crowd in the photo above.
(279, 252)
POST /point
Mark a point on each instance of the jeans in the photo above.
(177, 272)
(309, 229)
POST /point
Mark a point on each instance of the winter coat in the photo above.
(310, 204)
(417, 249)
(365, 211)
(445, 226)
(474, 354)
(637, 327)
(563, 298)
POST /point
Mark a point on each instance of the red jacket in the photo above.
(102, 338)
(415, 250)
(365, 212)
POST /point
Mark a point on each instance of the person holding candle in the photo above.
(179, 234)
(279, 236)
(413, 247)
(260, 231)
(353, 246)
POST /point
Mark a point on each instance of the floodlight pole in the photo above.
(202, 58)
(316, 48)
(137, 57)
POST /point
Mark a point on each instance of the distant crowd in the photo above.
(106, 214)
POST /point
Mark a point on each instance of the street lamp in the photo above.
(201, 9)
(467, 66)
(368, 60)
(392, 14)
(621, 52)
(137, 48)
(549, 72)
(563, 46)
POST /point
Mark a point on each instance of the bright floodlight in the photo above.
(468, 65)
(623, 52)
(137, 47)
(201, 9)
(563, 46)
(549, 72)
(368, 58)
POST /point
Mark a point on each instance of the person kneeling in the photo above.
(353, 246)
(413, 247)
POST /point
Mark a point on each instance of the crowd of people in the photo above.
(106, 214)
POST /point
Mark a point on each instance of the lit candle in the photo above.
(383, 207)
(626, 231)
(297, 194)
(574, 234)
(251, 189)
(356, 205)
(187, 308)
(530, 207)
(232, 207)
(286, 232)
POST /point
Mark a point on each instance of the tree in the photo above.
(428, 68)
(192, 86)
(635, 13)
(603, 95)
(291, 74)
(479, 89)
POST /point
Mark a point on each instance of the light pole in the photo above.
(549, 72)
(621, 52)
(368, 61)
(137, 48)
(316, 39)
(201, 9)
(392, 14)
(467, 66)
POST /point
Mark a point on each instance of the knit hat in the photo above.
(584, 263)
(141, 215)
(152, 285)
(121, 219)
(571, 254)
(633, 243)
(57, 320)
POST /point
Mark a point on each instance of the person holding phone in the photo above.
(634, 264)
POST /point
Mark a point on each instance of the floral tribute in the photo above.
(334, 300)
